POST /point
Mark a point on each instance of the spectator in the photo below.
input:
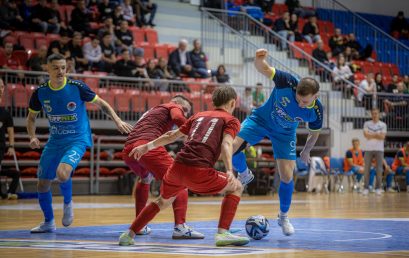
(147, 6)
(337, 43)
(140, 71)
(128, 13)
(60, 46)
(108, 27)
(367, 86)
(12, 62)
(54, 8)
(125, 67)
(283, 28)
(106, 9)
(246, 101)
(70, 65)
(258, 95)
(374, 132)
(38, 62)
(399, 104)
(221, 76)
(253, 9)
(6, 125)
(108, 58)
(10, 17)
(124, 37)
(163, 70)
(392, 87)
(266, 5)
(179, 59)
(80, 18)
(26, 10)
(319, 53)
(93, 53)
(311, 31)
(358, 52)
(400, 26)
(151, 70)
(292, 5)
(340, 73)
(348, 55)
(294, 28)
(75, 48)
(43, 18)
(379, 83)
(406, 82)
(117, 16)
(400, 165)
(199, 60)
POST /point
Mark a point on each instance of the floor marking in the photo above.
(349, 231)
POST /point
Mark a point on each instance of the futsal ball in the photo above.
(257, 227)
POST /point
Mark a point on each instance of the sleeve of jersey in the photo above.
(400, 154)
(35, 105)
(86, 93)
(283, 79)
(232, 127)
(348, 155)
(185, 128)
(317, 124)
(177, 116)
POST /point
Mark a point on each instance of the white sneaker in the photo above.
(228, 238)
(183, 231)
(285, 225)
(44, 227)
(144, 231)
(365, 192)
(68, 216)
(246, 177)
(378, 191)
(390, 190)
(11, 196)
(125, 239)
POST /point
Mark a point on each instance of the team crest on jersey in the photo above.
(71, 106)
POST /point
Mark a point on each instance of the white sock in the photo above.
(283, 214)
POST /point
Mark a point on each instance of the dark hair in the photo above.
(355, 140)
(223, 95)
(55, 57)
(307, 86)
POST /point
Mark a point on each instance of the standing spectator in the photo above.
(106, 9)
(80, 18)
(117, 16)
(379, 83)
(400, 26)
(246, 101)
(128, 12)
(39, 61)
(340, 73)
(311, 31)
(10, 17)
(221, 76)
(358, 52)
(374, 132)
(60, 46)
(147, 6)
(81, 62)
(258, 95)
(337, 42)
(6, 125)
(43, 18)
(124, 37)
(283, 28)
(366, 86)
(179, 59)
(93, 53)
(392, 87)
(400, 165)
(108, 53)
(199, 60)
(11, 61)
(125, 67)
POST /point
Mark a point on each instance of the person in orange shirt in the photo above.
(401, 165)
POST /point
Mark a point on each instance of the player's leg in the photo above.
(389, 179)
(379, 171)
(372, 174)
(367, 166)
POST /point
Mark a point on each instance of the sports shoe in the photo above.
(125, 239)
(11, 196)
(183, 231)
(390, 190)
(228, 238)
(371, 189)
(44, 227)
(378, 191)
(285, 225)
(365, 192)
(246, 177)
(68, 216)
(144, 231)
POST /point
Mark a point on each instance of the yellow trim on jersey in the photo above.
(94, 99)
(273, 73)
(33, 111)
(312, 104)
(60, 88)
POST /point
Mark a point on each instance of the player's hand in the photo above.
(231, 179)
(139, 151)
(10, 151)
(305, 157)
(261, 53)
(34, 143)
(124, 127)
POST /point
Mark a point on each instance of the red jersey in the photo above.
(156, 122)
(205, 132)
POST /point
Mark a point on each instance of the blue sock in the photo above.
(358, 177)
(46, 204)
(407, 178)
(239, 162)
(66, 190)
(285, 192)
(389, 179)
(372, 175)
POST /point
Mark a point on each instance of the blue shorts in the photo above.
(283, 141)
(399, 170)
(54, 154)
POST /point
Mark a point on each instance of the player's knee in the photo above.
(286, 177)
(63, 172)
(43, 186)
(239, 188)
(163, 203)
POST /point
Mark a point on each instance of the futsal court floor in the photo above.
(327, 225)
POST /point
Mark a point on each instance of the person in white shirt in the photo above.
(374, 132)
(246, 101)
(93, 53)
(127, 12)
(340, 74)
(367, 86)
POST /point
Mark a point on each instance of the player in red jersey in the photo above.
(155, 163)
(210, 135)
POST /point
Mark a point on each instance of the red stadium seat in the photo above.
(29, 172)
(207, 98)
(20, 99)
(108, 97)
(30, 155)
(151, 36)
(122, 102)
(138, 100)
(138, 35)
(118, 155)
(153, 100)
(104, 171)
(87, 155)
(50, 38)
(21, 55)
(10, 38)
(197, 102)
(2, 57)
(61, 10)
(119, 171)
(27, 41)
(41, 41)
(149, 50)
(171, 48)
(68, 11)
(82, 172)
(161, 50)
(385, 70)
(394, 69)
(91, 107)
(93, 83)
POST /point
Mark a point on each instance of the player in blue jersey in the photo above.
(291, 102)
(63, 100)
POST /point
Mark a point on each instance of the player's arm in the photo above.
(123, 127)
(163, 140)
(349, 158)
(311, 140)
(261, 64)
(34, 108)
(227, 154)
(402, 159)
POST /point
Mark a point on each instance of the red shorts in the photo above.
(156, 161)
(198, 180)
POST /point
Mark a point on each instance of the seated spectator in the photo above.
(392, 87)
(128, 12)
(199, 60)
(267, 6)
(163, 70)
(337, 43)
(379, 83)
(358, 52)
(108, 58)
(147, 7)
(81, 63)
(54, 8)
(406, 82)
(253, 9)
(283, 28)
(397, 108)
(124, 37)
(294, 28)
(105, 9)
(246, 101)
(367, 86)
(42, 18)
(258, 95)
(400, 165)
(354, 162)
(151, 70)
(60, 46)
(179, 60)
(348, 55)
(342, 73)
(10, 18)
(319, 53)
(292, 5)
(117, 16)
(400, 26)
(11, 62)
(221, 76)
(38, 62)
(311, 31)
(93, 53)
(125, 66)
(80, 18)
(295, 7)
(70, 65)
(108, 27)
(140, 71)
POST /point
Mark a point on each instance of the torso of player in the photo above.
(203, 147)
(153, 123)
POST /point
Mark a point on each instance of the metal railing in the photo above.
(388, 49)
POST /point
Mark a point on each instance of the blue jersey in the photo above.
(282, 108)
(65, 109)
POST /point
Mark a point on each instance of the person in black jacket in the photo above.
(179, 60)
(311, 31)
(125, 67)
(80, 18)
(283, 28)
(400, 26)
(199, 60)
(43, 18)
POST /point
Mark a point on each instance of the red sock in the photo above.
(229, 207)
(146, 215)
(141, 197)
(180, 207)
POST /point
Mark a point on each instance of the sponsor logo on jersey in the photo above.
(71, 106)
(62, 130)
(62, 118)
(284, 101)
(281, 113)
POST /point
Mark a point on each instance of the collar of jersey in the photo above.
(60, 88)
(312, 104)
